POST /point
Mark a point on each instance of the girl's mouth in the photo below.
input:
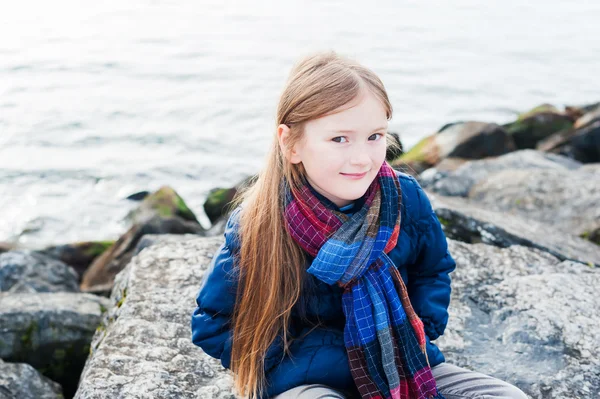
(354, 176)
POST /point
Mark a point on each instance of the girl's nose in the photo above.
(360, 158)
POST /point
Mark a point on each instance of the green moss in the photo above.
(217, 197)
(59, 354)
(416, 153)
(537, 110)
(26, 338)
(164, 210)
(443, 222)
(97, 248)
(102, 308)
(183, 210)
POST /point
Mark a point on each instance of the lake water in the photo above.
(102, 99)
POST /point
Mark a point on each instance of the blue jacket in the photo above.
(422, 258)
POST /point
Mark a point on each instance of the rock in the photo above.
(593, 236)
(217, 202)
(581, 144)
(537, 124)
(588, 118)
(568, 200)
(100, 275)
(140, 195)
(467, 140)
(50, 331)
(151, 239)
(144, 347)
(78, 255)
(29, 271)
(21, 381)
(6, 246)
(166, 203)
(466, 220)
(460, 181)
(394, 149)
(523, 316)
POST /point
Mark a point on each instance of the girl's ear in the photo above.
(283, 134)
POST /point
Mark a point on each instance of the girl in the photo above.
(334, 275)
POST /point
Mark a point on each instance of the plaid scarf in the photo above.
(384, 337)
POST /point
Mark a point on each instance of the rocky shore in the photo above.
(519, 203)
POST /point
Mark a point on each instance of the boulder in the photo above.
(519, 314)
(21, 381)
(144, 347)
(166, 203)
(6, 246)
(163, 212)
(78, 255)
(29, 271)
(568, 200)
(218, 201)
(467, 140)
(581, 144)
(468, 221)
(50, 331)
(523, 316)
(537, 124)
(395, 148)
(458, 182)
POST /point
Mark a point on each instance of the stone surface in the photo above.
(50, 331)
(467, 140)
(581, 144)
(524, 316)
(100, 275)
(537, 124)
(466, 220)
(517, 313)
(144, 348)
(460, 181)
(21, 381)
(565, 199)
(29, 271)
(78, 255)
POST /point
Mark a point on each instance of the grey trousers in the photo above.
(452, 381)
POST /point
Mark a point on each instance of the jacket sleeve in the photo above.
(428, 275)
(211, 320)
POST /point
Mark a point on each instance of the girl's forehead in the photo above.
(366, 116)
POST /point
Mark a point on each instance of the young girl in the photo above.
(334, 275)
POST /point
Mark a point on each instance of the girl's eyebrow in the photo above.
(354, 131)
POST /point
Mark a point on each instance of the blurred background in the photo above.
(99, 100)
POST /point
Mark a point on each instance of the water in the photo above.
(102, 99)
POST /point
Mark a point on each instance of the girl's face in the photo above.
(343, 151)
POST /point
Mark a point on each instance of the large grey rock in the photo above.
(524, 316)
(460, 181)
(466, 220)
(99, 277)
(144, 348)
(21, 381)
(29, 271)
(565, 199)
(50, 331)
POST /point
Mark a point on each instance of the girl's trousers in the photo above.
(453, 382)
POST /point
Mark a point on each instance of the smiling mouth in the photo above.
(354, 174)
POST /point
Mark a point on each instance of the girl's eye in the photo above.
(377, 134)
(339, 137)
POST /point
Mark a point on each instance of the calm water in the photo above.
(101, 99)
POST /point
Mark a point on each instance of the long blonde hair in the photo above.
(272, 265)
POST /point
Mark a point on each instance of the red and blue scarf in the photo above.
(384, 337)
